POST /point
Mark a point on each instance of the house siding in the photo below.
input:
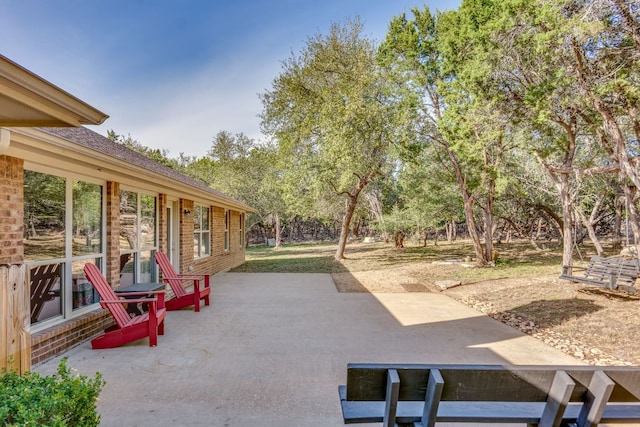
(48, 343)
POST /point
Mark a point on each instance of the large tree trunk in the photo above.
(451, 229)
(487, 216)
(567, 230)
(473, 230)
(561, 182)
(344, 229)
(590, 230)
(617, 225)
(352, 202)
(633, 216)
(468, 201)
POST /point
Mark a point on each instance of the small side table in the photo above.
(133, 309)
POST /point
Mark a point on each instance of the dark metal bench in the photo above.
(612, 273)
(421, 395)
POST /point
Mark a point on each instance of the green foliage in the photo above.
(160, 156)
(335, 120)
(59, 400)
(397, 221)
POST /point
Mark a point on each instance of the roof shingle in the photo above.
(93, 140)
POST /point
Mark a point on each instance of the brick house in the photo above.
(69, 196)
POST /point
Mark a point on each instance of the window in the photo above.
(201, 232)
(241, 236)
(138, 237)
(63, 224)
(227, 220)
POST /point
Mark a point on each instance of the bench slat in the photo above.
(557, 401)
(432, 399)
(391, 401)
(481, 412)
(600, 390)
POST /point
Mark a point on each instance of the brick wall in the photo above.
(221, 260)
(186, 234)
(53, 341)
(11, 210)
(162, 223)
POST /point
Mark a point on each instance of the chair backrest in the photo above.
(165, 265)
(169, 274)
(94, 275)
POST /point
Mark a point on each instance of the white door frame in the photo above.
(173, 233)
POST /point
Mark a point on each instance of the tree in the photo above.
(603, 57)
(517, 57)
(448, 119)
(330, 112)
(160, 156)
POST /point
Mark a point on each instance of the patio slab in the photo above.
(272, 349)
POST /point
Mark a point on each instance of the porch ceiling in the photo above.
(30, 101)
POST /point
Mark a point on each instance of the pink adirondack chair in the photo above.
(183, 297)
(127, 329)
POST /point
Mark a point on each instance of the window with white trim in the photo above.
(64, 230)
(227, 221)
(201, 232)
(138, 237)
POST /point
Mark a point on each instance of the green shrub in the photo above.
(59, 400)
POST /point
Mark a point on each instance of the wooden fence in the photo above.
(15, 338)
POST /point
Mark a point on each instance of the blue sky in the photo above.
(172, 74)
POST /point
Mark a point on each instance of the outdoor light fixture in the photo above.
(187, 213)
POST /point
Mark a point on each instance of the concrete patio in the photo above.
(272, 349)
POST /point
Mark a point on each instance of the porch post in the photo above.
(15, 338)
(15, 307)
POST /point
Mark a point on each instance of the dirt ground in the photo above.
(593, 324)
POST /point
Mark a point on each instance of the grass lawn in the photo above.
(515, 260)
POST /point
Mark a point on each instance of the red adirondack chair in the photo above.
(127, 329)
(175, 280)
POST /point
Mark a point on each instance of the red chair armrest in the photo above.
(126, 294)
(128, 301)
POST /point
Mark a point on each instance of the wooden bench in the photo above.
(421, 395)
(613, 273)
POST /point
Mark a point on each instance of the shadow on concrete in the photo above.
(273, 348)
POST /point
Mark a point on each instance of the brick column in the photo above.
(186, 235)
(11, 210)
(162, 223)
(15, 338)
(217, 231)
(112, 272)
